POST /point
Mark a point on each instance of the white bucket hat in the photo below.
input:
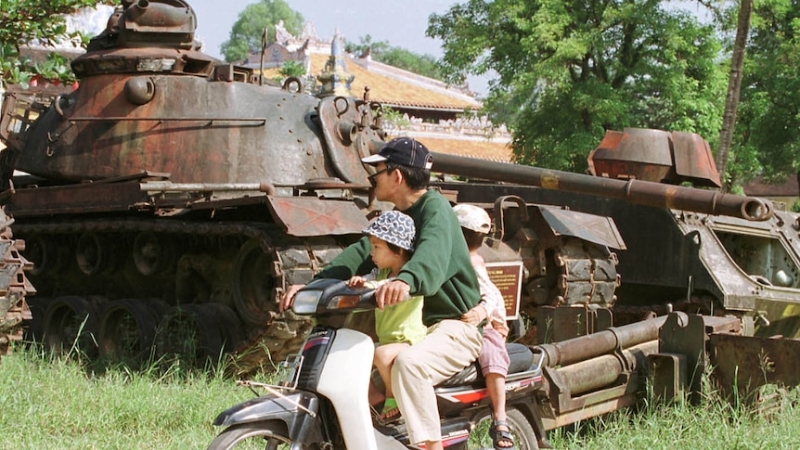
(395, 228)
(473, 218)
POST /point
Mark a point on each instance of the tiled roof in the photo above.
(396, 87)
(482, 149)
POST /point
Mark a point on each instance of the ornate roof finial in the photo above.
(335, 79)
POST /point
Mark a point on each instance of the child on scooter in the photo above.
(494, 360)
(392, 238)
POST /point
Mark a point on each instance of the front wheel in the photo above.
(256, 435)
(520, 426)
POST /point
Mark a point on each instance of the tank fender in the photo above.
(298, 410)
(589, 227)
(310, 216)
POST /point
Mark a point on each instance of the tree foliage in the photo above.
(767, 137)
(246, 33)
(42, 21)
(382, 51)
(569, 70)
(292, 69)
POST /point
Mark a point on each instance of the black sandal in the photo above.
(501, 435)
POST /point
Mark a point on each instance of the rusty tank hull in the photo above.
(171, 197)
(168, 202)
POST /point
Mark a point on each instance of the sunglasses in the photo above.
(372, 177)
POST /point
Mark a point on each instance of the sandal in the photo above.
(390, 412)
(499, 436)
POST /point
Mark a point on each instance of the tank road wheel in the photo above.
(253, 284)
(44, 254)
(91, 253)
(71, 324)
(151, 253)
(521, 430)
(127, 332)
(261, 435)
(198, 334)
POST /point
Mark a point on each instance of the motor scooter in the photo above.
(322, 402)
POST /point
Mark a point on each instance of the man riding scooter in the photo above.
(440, 271)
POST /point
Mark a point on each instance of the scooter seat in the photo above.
(521, 360)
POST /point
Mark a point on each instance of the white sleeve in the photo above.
(491, 296)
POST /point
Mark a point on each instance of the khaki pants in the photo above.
(449, 346)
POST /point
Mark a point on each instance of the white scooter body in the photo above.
(345, 382)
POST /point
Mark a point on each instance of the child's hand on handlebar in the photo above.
(356, 282)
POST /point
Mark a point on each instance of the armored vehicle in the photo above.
(168, 201)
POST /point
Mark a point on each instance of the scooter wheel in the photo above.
(521, 429)
(270, 435)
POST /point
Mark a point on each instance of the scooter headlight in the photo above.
(305, 301)
(345, 301)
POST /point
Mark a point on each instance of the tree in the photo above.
(292, 69)
(247, 31)
(767, 135)
(734, 87)
(382, 51)
(569, 70)
(26, 21)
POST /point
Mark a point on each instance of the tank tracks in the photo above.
(133, 289)
(14, 286)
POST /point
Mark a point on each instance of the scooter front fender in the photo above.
(299, 410)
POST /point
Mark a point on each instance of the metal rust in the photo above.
(14, 286)
(743, 364)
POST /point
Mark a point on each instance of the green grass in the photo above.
(713, 424)
(49, 402)
(53, 403)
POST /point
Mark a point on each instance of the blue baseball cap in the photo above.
(404, 151)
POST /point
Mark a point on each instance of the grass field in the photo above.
(56, 403)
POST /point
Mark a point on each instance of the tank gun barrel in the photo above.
(634, 191)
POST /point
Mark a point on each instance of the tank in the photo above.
(171, 198)
(687, 249)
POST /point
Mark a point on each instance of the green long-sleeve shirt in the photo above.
(439, 269)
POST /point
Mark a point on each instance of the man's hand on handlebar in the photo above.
(288, 297)
(391, 293)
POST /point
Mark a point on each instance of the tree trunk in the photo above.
(734, 87)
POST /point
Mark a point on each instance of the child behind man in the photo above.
(494, 360)
(392, 238)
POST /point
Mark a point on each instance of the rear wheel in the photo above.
(257, 435)
(524, 436)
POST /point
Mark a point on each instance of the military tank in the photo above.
(168, 201)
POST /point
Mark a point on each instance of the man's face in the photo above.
(381, 181)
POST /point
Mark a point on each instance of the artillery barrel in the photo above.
(583, 348)
(634, 191)
(605, 370)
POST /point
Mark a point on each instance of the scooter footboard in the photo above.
(299, 410)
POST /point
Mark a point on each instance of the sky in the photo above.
(402, 23)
